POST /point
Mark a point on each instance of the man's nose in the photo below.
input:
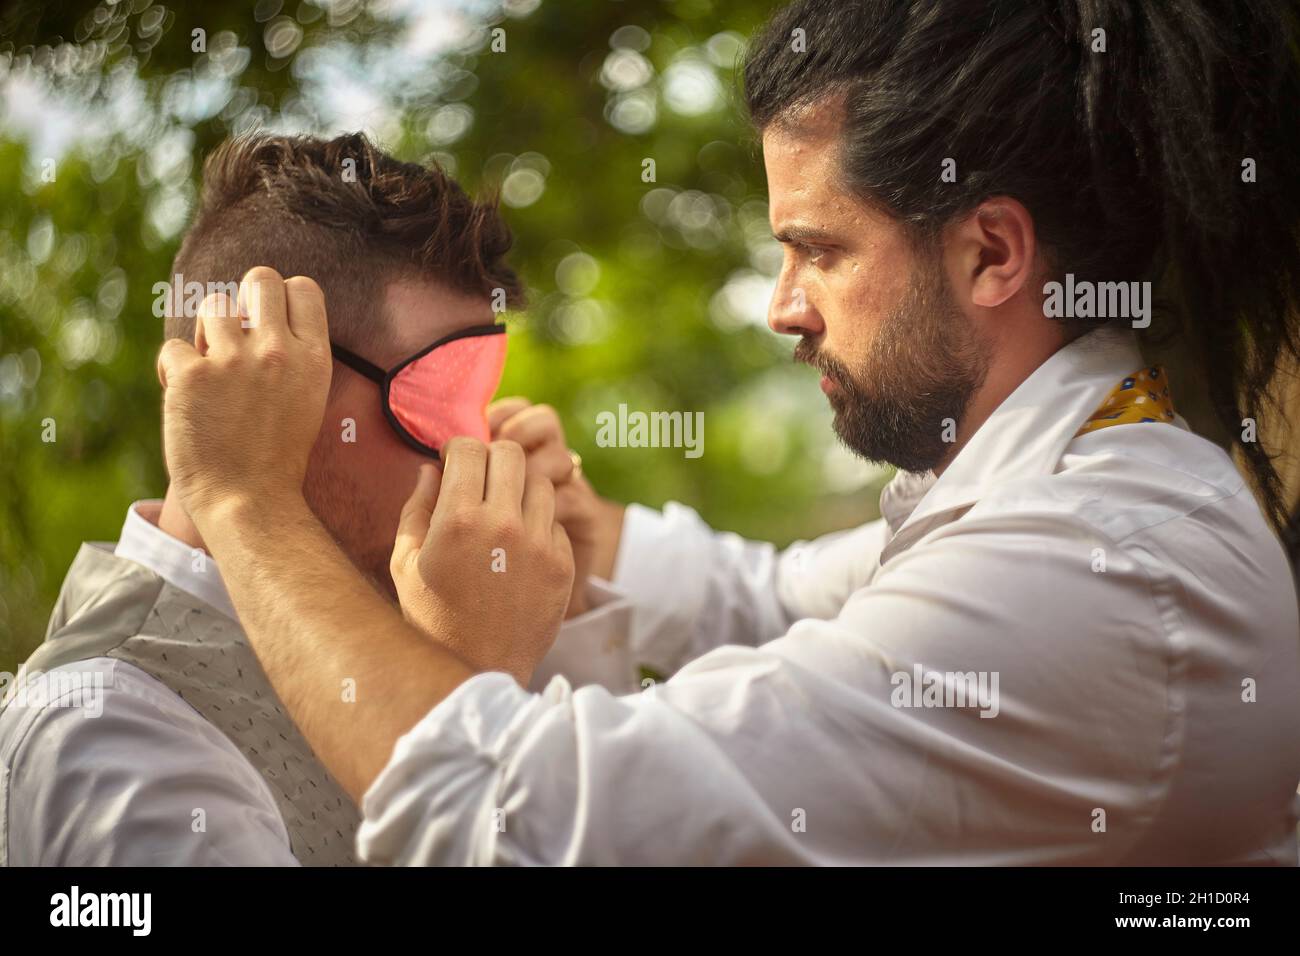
(790, 312)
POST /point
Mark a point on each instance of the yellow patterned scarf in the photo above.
(1142, 397)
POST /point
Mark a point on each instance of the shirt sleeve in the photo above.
(692, 589)
(948, 713)
(138, 780)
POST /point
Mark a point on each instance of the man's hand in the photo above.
(273, 345)
(593, 524)
(480, 563)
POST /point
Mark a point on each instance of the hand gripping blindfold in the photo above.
(442, 390)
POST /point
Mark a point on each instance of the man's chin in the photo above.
(915, 454)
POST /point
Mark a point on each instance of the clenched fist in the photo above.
(242, 407)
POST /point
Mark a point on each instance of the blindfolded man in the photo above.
(191, 757)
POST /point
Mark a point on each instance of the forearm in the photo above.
(353, 673)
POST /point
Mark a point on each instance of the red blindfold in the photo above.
(441, 391)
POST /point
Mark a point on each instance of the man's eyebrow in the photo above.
(804, 234)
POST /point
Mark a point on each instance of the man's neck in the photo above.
(1007, 372)
(175, 522)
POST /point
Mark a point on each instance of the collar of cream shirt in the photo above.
(192, 570)
(1026, 435)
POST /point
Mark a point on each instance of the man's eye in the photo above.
(814, 253)
(806, 252)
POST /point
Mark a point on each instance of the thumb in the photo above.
(413, 526)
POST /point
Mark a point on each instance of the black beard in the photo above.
(915, 385)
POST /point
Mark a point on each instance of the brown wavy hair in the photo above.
(349, 216)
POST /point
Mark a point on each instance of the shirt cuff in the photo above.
(593, 648)
(663, 566)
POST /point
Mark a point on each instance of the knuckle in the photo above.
(304, 286)
(506, 529)
(262, 274)
(274, 352)
(320, 357)
(560, 567)
(420, 566)
(216, 305)
(459, 522)
(304, 297)
(466, 446)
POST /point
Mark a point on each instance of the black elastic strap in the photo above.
(358, 364)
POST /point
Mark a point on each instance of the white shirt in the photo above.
(120, 789)
(1121, 588)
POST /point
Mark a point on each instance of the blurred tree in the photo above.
(612, 130)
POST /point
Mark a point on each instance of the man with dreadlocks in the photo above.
(1071, 638)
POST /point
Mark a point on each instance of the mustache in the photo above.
(809, 353)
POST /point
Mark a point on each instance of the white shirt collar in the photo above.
(192, 570)
(1026, 435)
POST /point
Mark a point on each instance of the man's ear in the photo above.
(991, 251)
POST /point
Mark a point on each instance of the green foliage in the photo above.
(624, 274)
